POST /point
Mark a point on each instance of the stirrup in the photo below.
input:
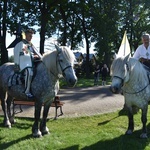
(29, 95)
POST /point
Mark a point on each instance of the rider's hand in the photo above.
(142, 59)
(36, 57)
(25, 50)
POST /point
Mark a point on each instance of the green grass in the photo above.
(83, 82)
(103, 132)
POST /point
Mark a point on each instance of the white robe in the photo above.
(141, 51)
(24, 60)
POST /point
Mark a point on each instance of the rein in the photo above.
(138, 91)
(133, 92)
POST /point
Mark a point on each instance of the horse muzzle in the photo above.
(115, 89)
(72, 81)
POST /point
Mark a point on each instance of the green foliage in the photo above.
(84, 82)
(106, 131)
(99, 21)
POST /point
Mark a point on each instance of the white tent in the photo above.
(124, 49)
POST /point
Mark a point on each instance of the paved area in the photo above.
(83, 102)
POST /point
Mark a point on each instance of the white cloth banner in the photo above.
(124, 49)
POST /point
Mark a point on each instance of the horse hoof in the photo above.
(37, 134)
(7, 124)
(129, 132)
(12, 120)
(45, 131)
(143, 136)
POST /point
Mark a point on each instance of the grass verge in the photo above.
(104, 132)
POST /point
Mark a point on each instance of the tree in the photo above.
(75, 25)
(99, 21)
(105, 17)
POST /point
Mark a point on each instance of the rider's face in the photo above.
(28, 36)
(145, 41)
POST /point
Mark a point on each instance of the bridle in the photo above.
(122, 82)
(62, 69)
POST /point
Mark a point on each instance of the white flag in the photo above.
(124, 49)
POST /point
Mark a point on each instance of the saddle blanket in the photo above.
(16, 79)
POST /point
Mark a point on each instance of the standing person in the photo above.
(104, 72)
(142, 53)
(24, 56)
(96, 74)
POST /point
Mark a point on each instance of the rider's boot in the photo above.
(27, 85)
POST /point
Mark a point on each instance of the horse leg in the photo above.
(35, 128)
(130, 121)
(10, 115)
(4, 108)
(43, 127)
(144, 121)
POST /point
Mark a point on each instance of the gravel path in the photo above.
(83, 102)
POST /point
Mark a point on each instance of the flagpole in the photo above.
(124, 42)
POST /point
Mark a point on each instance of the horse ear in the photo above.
(58, 49)
(114, 56)
(127, 58)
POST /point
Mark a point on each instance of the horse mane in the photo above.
(117, 64)
(139, 73)
(49, 58)
(68, 54)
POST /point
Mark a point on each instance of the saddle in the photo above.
(19, 77)
(16, 79)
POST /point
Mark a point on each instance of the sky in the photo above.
(36, 43)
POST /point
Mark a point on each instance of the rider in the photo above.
(142, 53)
(24, 56)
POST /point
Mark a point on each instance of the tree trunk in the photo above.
(42, 37)
(4, 53)
(87, 48)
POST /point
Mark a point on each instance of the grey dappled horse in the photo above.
(130, 75)
(44, 85)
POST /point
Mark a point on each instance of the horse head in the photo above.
(119, 72)
(65, 61)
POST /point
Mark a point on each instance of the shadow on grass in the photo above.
(107, 121)
(122, 112)
(122, 142)
(74, 147)
(18, 125)
(8, 144)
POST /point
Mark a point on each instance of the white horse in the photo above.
(44, 86)
(132, 77)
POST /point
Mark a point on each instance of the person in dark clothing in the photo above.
(96, 74)
(104, 72)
